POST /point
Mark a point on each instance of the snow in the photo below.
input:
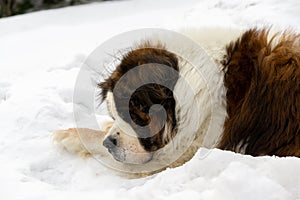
(40, 57)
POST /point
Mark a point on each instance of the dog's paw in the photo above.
(69, 140)
(82, 141)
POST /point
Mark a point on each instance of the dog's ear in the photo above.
(157, 65)
(104, 86)
(108, 84)
(144, 54)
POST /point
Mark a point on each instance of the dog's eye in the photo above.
(145, 109)
(138, 119)
(136, 102)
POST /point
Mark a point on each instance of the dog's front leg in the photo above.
(82, 141)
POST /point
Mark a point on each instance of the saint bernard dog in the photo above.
(255, 100)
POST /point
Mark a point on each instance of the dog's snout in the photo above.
(110, 142)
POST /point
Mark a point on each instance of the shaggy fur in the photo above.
(262, 77)
(258, 115)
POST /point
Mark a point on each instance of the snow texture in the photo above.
(40, 57)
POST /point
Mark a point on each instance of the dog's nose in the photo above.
(110, 142)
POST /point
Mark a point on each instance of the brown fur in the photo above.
(262, 78)
(147, 95)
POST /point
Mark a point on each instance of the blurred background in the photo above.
(15, 7)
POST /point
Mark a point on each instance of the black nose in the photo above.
(110, 142)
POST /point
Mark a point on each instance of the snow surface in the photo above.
(40, 57)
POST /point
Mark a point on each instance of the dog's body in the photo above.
(248, 104)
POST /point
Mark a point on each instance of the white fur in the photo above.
(199, 94)
(200, 104)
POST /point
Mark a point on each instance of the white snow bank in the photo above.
(40, 56)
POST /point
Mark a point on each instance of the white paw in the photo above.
(82, 141)
(70, 140)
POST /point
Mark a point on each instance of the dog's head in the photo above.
(140, 99)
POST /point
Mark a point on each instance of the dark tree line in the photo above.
(7, 7)
(15, 7)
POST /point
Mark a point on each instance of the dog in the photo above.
(249, 104)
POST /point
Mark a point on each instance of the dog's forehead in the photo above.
(118, 121)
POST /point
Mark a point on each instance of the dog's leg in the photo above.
(82, 141)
